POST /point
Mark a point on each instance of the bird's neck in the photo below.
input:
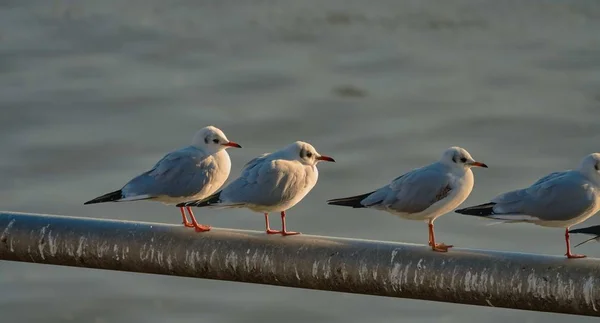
(206, 151)
(594, 178)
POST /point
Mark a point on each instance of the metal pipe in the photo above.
(476, 277)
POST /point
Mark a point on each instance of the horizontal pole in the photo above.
(476, 277)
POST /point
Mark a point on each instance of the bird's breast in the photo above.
(462, 187)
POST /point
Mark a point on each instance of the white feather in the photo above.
(513, 217)
(135, 198)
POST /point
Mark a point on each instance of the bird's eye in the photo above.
(309, 154)
(216, 141)
(463, 160)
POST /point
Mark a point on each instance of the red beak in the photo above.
(326, 158)
(478, 164)
(232, 144)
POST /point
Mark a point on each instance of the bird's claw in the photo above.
(283, 233)
(202, 228)
(289, 233)
(440, 247)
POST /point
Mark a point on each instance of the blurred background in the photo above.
(94, 92)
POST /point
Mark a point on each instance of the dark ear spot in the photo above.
(302, 153)
(206, 140)
(454, 158)
(596, 166)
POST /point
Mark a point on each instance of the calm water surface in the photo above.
(94, 92)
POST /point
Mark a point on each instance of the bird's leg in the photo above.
(436, 246)
(569, 254)
(431, 236)
(284, 231)
(185, 221)
(430, 229)
(268, 228)
(199, 227)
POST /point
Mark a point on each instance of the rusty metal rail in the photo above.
(476, 277)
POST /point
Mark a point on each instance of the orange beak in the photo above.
(232, 144)
(478, 164)
(326, 158)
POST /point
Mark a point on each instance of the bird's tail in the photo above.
(352, 201)
(486, 209)
(108, 197)
(213, 199)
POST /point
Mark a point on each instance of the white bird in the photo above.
(424, 193)
(559, 200)
(193, 172)
(273, 182)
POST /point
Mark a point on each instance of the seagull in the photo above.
(273, 182)
(193, 172)
(423, 193)
(559, 200)
(593, 230)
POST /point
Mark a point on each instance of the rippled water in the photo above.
(94, 92)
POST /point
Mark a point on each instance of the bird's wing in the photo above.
(560, 197)
(267, 182)
(180, 173)
(549, 177)
(254, 161)
(412, 192)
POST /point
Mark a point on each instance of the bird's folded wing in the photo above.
(180, 173)
(266, 182)
(548, 177)
(254, 161)
(415, 191)
(558, 198)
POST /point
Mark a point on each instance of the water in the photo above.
(94, 92)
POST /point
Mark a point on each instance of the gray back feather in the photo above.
(269, 182)
(414, 191)
(184, 172)
(559, 196)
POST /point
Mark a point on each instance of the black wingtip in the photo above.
(215, 198)
(593, 230)
(352, 201)
(479, 210)
(108, 197)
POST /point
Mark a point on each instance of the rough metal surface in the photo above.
(477, 277)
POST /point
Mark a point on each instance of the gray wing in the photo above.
(557, 198)
(181, 173)
(253, 162)
(266, 182)
(550, 177)
(412, 192)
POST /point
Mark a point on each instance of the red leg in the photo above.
(185, 221)
(284, 231)
(430, 229)
(569, 254)
(440, 247)
(199, 227)
(268, 228)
